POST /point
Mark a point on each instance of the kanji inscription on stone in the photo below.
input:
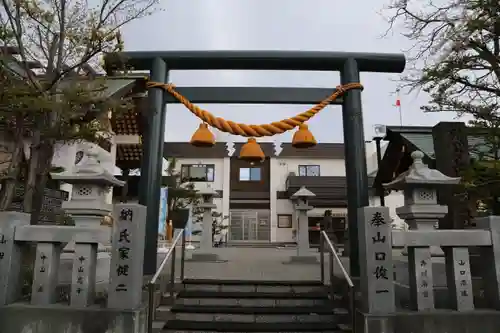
(460, 279)
(10, 256)
(421, 280)
(84, 274)
(376, 280)
(45, 278)
(125, 290)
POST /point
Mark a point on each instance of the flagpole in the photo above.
(398, 104)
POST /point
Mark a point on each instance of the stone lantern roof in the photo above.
(303, 192)
(420, 174)
(91, 172)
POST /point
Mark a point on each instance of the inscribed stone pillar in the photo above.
(490, 261)
(375, 254)
(459, 279)
(451, 153)
(84, 274)
(10, 256)
(126, 279)
(421, 278)
(45, 273)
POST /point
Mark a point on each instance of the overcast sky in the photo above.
(320, 25)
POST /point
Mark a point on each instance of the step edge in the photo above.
(251, 295)
(304, 283)
(273, 310)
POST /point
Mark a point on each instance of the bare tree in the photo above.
(54, 102)
(455, 58)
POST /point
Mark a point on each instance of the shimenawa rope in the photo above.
(271, 129)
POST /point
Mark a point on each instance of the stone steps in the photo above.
(231, 298)
(254, 306)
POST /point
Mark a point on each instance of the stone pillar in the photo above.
(126, 270)
(490, 261)
(304, 255)
(10, 256)
(84, 274)
(303, 246)
(88, 208)
(375, 253)
(43, 289)
(204, 253)
(421, 210)
(376, 279)
(451, 149)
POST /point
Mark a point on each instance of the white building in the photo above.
(255, 196)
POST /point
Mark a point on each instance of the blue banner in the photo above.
(162, 224)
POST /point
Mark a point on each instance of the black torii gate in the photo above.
(348, 64)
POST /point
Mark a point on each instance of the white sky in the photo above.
(355, 26)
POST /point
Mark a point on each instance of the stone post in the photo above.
(43, 289)
(421, 210)
(88, 208)
(204, 253)
(490, 261)
(304, 254)
(376, 266)
(126, 270)
(10, 256)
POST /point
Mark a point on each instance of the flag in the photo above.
(162, 224)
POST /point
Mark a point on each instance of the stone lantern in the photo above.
(206, 244)
(88, 208)
(419, 183)
(301, 198)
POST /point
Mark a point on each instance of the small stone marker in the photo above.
(490, 261)
(126, 280)
(376, 271)
(45, 276)
(421, 280)
(459, 279)
(83, 275)
(10, 256)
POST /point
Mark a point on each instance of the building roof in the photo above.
(420, 138)
(186, 150)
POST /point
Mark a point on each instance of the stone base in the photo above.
(300, 260)
(438, 321)
(17, 318)
(205, 257)
(102, 270)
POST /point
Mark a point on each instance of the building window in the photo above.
(197, 173)
(284, 221)
(250, 174)
(309, 170)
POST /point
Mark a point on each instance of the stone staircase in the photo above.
(253, 306)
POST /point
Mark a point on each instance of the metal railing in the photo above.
(171, 254)
(332, 249)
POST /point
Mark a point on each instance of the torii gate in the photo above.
(159, 63)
